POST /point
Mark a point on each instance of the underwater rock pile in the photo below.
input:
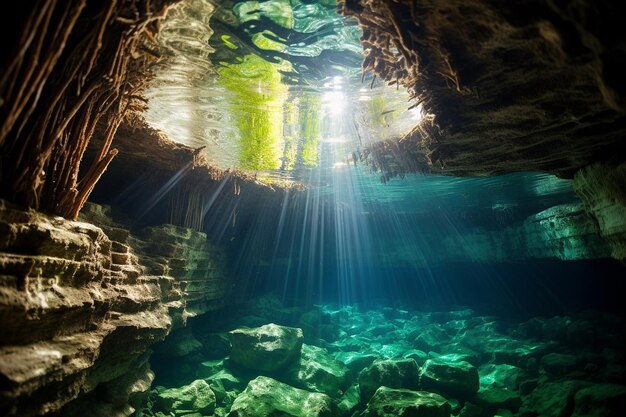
(337, 360)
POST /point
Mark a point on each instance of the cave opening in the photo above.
(312, 208)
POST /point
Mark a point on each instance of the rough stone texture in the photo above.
(392, 373)
(267, 397)
(553, 399)
(600, 400)
(493, 399)
(81, 305)
(456, 378)
(513, 86)
(388, 402)
(563, 232)
(500, 376)
(195, 397)
(602, 188)
(266, 348)
(318, 371)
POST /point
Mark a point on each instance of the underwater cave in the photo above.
(313, 208)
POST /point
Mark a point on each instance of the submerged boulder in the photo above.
(267, 397)
(559, 364)
(195, 397)
(493, 399)
(390, 402)
(392, 373)
(500, 376)
(600, 400)
(320, 372)
(356, 361)
(266, 348)
(552, 399)
(455, 378)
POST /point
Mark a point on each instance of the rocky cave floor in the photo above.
(339, 360)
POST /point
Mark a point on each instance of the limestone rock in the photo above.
(356, 361)
(500, 376)
(455, 378)
(559, 364)
(350, 400)
(390, 402)
(392, 373)
(267, 397)
(600, 400)
(601, 188)
(226, 387)
(318, 371)
(553, 399)
(195, 397)
(493, 399)
(266, 348)
(81, 305)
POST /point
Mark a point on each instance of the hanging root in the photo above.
(77, 65)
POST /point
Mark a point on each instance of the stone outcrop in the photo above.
(602, 188)
(388, 402)
(267, 397)
(391, 373)
(80, 306)
(564, 232)
(266, 348)
(460, 378)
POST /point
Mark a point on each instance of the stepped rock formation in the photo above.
(81, 305)
(602, 189)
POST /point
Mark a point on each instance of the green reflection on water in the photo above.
(257, 108)
(270, 86)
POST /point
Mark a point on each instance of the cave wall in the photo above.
(564, 232)
(80, 306)
(602, 188)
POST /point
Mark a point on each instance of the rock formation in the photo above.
(81, 305)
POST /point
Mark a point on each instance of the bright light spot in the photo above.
(335, 139)
(334, 101)
(335, 83)
(339, 165)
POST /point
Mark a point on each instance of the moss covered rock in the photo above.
(600, 400)
(195, 397)
(454, 378)
(392, 373)
(267, 397)
(266, 348)
(390, 402)
(318, 371)
(553, 399)
(493, 399)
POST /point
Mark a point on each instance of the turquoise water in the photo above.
(463, 296)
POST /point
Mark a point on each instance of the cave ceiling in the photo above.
(289, 89)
